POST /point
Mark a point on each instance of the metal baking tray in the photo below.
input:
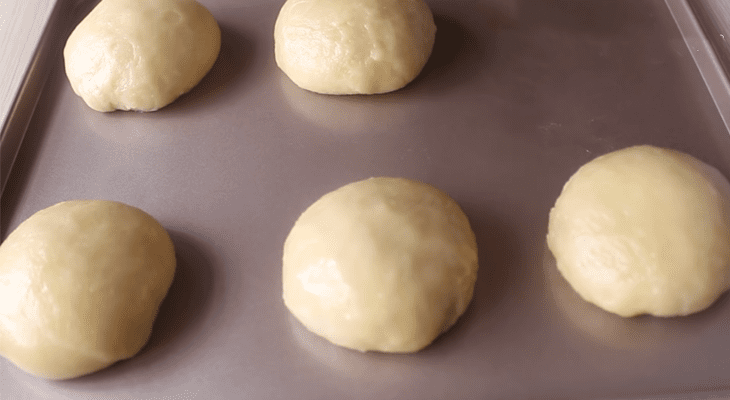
(516, 96)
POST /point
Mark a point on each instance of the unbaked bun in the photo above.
(353, 46)
(80, 285)
(644, 230)
(384, 264)
(140, 54)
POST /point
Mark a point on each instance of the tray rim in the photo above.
(25, 88)
(703, 53)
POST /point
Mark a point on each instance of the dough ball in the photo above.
(80, 285)
(384, 264)
(353, 46)
(140, 54)
(644, 230)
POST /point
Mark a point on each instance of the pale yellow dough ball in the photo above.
(140, 54)
(644, 230)
(384, 264)
(353, 46)
(80, 286)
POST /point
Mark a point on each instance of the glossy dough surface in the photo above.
(80, 286)
(384, 264)
(140, 54)
(644, 230)
(353, 46)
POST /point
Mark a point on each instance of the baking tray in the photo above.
(516, 96)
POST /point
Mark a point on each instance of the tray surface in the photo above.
(516, 96)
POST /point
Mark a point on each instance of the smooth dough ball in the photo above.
(80, 286)
(353, 46)
(140, 54)
(384, 264)
(644, 230)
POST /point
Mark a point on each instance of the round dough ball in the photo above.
(353, 46)
(384, 264)
(140, 54)
(80, 286)
(644, 230)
